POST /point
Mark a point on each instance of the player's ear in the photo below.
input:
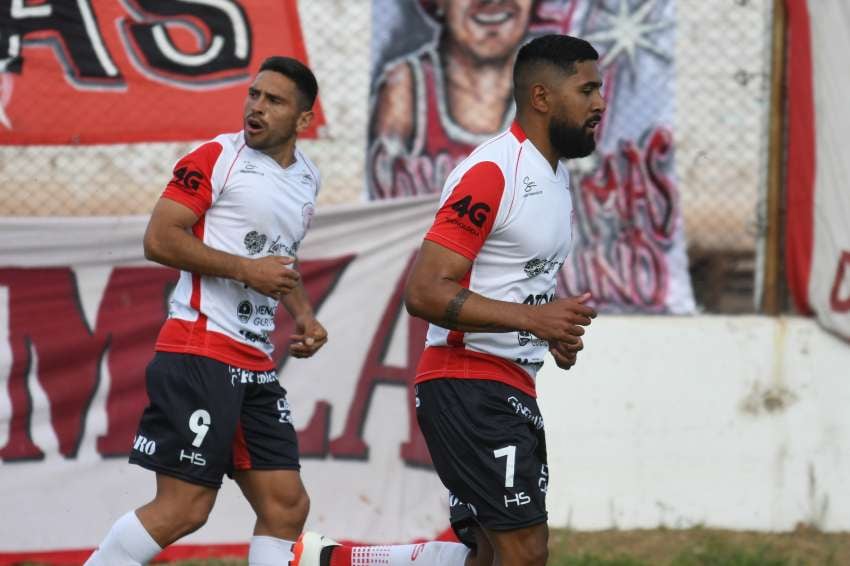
(539, 96)
(304, 120)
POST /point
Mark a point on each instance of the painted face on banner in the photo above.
(274, 111)
(577, 112)
(488, 29)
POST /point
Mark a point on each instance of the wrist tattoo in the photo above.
(453, 308)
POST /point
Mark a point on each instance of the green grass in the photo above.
(670, 547)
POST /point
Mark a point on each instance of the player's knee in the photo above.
(537, 556)
(527, 548)
(194, 514)
(195, 518)
(535, 547)
(286, 510)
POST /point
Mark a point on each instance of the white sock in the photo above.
(269, 551)
(126, 544)
(424, 554)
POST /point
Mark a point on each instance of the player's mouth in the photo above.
(493, 13)
(593, 123)
(253, 125)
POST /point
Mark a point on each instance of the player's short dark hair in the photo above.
(561, 51)
(297, 72)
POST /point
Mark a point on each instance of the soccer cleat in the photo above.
(307, 550)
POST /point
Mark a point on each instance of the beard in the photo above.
(569, 140)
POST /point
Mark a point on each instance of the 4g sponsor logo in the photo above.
(189, 179)
(476, 212)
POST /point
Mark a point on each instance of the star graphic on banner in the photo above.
(628, 31)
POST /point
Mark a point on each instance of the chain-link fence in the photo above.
(407, 87)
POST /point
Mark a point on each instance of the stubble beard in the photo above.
(569, 140)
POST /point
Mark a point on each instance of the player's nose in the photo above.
(599, 104)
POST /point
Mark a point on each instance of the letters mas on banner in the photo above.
(104, 71)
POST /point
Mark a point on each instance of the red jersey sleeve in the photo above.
(466, 218)
(191, 181)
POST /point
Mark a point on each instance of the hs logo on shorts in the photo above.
(199, 423)
(519, 499)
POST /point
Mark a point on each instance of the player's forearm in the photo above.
(175, 247)
(297, 303)
(448, 304)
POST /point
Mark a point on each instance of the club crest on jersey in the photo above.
(255, 242)
(244, 311)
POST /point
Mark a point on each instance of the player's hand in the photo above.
(309, 337)
(270, 275)
(563, 320)
(565, 354)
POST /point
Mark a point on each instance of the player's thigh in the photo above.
(265, 438)
(487, 444)
(187, 429)
(265, 450)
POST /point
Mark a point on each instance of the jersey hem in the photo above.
(181, 337)
(438, 362)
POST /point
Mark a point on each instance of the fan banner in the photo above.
(442, 85)
(80, 310)
(93, 71)
(818, 231)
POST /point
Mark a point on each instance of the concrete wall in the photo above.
(735, 422)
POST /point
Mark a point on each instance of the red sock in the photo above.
(340, 556)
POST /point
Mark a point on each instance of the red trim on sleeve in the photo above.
(187, 337)
(466, 218)
(439, 362)
(802, 149)
(191, 181)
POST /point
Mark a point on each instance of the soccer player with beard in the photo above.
(485, 279)
(231, 220)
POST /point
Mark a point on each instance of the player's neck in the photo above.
(284, 153)
(538, 134)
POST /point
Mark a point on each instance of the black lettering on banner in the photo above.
(224, 40)
(477, 212)
(76, 41)
(188, 179)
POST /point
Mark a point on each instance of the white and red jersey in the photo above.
(247, 205)
(507, 211)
